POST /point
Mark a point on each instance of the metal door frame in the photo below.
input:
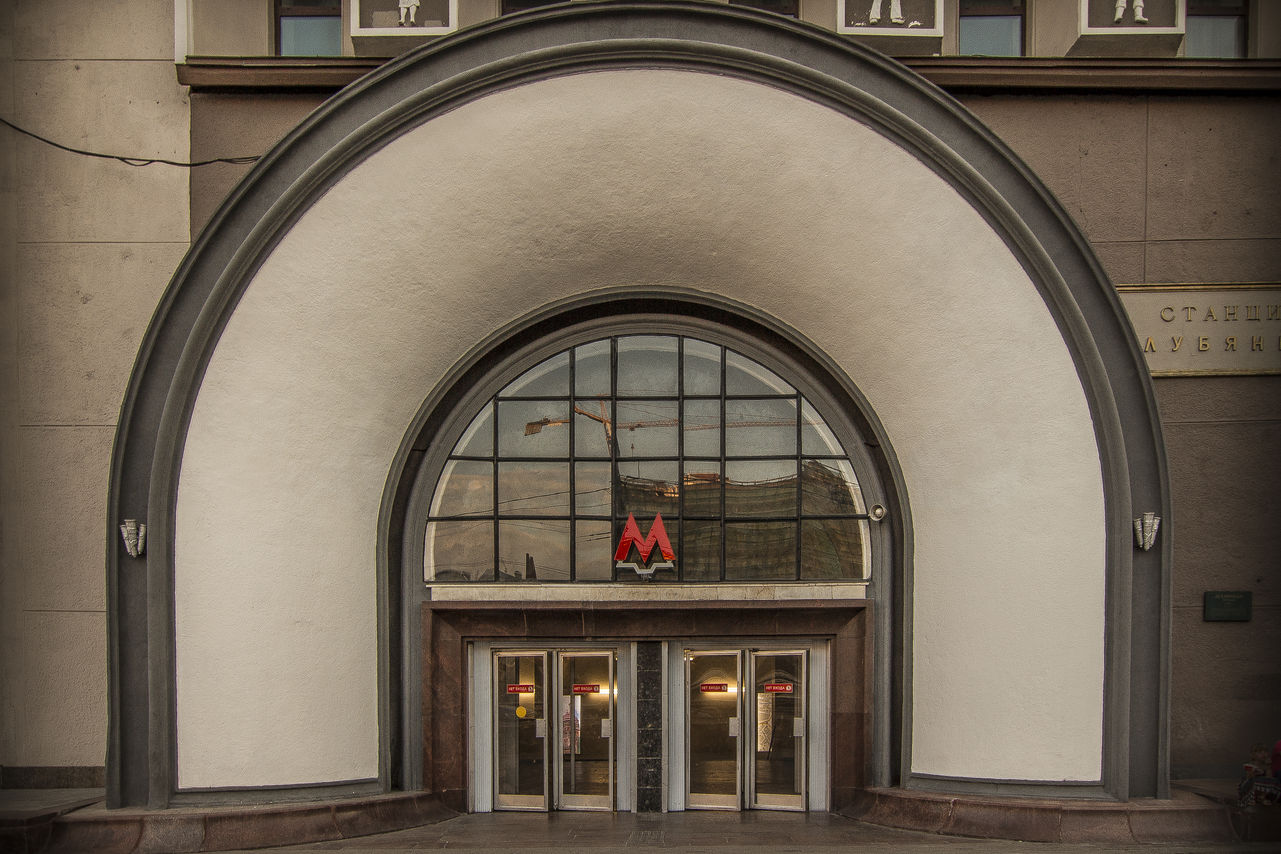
(707, 801)
(528, 803)
(568, 801)
(482, 722)
(755, 800)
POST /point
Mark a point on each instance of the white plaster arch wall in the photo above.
(639, 178)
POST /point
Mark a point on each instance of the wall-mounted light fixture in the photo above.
(1145, 528)
(135, 537)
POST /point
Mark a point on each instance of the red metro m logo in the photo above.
(632, 537)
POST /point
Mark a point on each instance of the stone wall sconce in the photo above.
(1145, 528)
(135, 537)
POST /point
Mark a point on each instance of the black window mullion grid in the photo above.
(724, 430)
(573, 492)
(493, 449)
(614, 481)
(799, 530)
(680, 453)
(616, 510)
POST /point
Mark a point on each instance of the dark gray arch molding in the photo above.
(810, 62)
(678, 310)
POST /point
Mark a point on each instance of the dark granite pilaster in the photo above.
(649, 726)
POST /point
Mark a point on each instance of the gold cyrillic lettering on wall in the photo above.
(1186, 313)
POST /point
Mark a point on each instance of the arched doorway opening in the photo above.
(619, 463)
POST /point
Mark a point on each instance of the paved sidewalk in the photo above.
(701, 833)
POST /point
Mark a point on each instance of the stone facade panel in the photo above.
(136, 109)
(61, 718)
(1212, 168)
(1089, 151)
(83, 310)
(60, 513)
(115, 29)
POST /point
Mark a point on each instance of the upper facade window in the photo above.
(510, 6)
(1216, 29)
(637, 453)
(790, 8)
(309, 27)
(990, 28)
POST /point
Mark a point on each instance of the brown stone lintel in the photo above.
(1033, 819)
(637, 620)
(955, 74)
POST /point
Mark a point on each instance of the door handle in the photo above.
(733, 727)
(540, 728)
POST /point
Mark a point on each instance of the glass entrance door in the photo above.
(554, 729)
(520, 730)
(746, 729)
(585, 773)
(777, 764)
(712, 714)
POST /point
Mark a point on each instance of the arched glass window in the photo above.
(659, 457)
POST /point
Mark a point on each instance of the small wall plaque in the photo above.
(1222, 329)
(1227, 606)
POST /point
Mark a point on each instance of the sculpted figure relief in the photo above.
(1139, 17)
(896, 12)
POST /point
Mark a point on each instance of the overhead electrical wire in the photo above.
(132, 161)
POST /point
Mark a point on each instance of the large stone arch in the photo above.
(646, 146)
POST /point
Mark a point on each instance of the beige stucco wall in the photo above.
(492, 210)
(88, 246)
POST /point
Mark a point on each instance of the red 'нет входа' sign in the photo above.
(778, 687)
(714, 687)
(586, 689)
(520, 689)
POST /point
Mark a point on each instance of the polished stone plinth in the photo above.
(45, 823)
(1185, 818)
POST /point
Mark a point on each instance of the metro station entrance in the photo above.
(746, 729)
(655, 725)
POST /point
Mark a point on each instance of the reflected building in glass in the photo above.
(750, 481)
